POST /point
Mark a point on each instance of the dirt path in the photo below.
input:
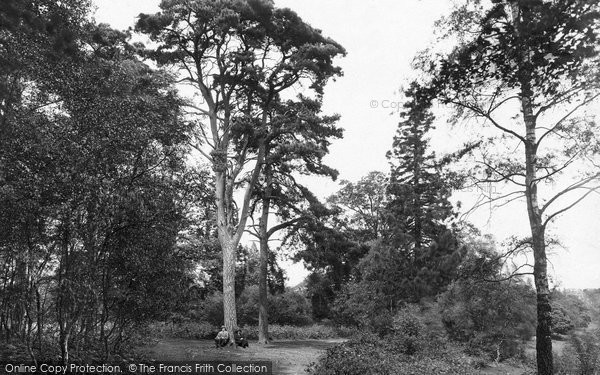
(288, 357)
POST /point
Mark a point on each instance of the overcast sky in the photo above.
(381, 38)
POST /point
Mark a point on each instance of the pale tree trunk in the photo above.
(229, 310)
(263, 319)
(228, 249)
(230, 227)
(543, 330)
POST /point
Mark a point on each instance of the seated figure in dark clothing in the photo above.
(240, 338)
(222, 337)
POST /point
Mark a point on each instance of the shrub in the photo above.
(287, 308)
(561, 322)
(289, 332)
(291, 308)
(211, 309)
(492, 318)
(186, 330)
(363, 354)
(358, 305)
(568, 312)
(368, 353)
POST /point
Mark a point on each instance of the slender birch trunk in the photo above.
(540, 268)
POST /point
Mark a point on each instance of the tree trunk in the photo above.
(263, 319)
(543, 331)
(229, 310)
(40, 321)
(228, 245)
(64, 347)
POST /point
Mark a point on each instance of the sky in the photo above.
(381, 38)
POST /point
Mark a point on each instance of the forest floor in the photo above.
(289, 357)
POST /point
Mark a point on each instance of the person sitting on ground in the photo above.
(240, 338)
(222, 337)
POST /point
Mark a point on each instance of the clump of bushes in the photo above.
(186, 329)
(568, 312)
(287, 308)
(289, 318)
(289, 332)
(494, 319)
(411, 347)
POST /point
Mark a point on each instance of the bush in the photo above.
(289, 332)
(568, 312)
(359, 306)
(290, 308)
(561, 322)
(211, 309)
(415, 344)
(493, 318)
(185, 330)
(368, 353)
(363, 354)
(287, 308)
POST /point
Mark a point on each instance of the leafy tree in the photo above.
(92, 199)
(362, 206)
(239, 56)
(331, 256)
(35, 35)
(536, 60)
(333, 244)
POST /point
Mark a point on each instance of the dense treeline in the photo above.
(94, 187)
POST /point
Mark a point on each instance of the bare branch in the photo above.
(559, 122)
(590, 191)
(577, 185)
(488, 117)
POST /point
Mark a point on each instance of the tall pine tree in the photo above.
(419, 211)
(419, 193)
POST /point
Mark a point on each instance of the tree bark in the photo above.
(544, 356)
(263, 319)
(229, 310)
(226, 240)
(543, 331)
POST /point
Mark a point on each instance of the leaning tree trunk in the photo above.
(540, 275)
(263, 319)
